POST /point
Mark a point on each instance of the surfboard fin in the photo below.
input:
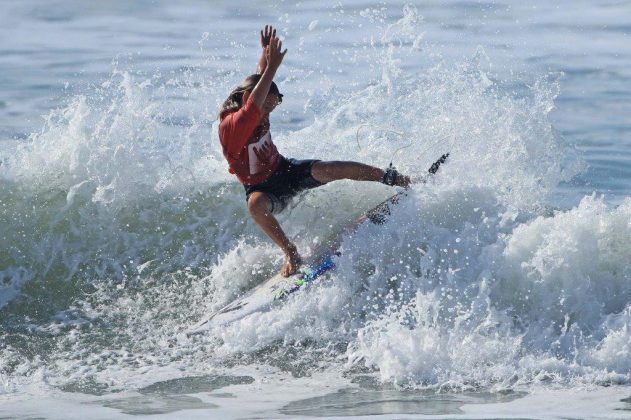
(434, 168)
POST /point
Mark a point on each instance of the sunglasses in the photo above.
(279, 98)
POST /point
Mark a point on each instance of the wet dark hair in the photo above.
(235, 99)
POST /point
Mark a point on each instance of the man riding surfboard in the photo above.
(271, 180)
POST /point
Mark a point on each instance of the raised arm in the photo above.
(274, 57)
(266, 35)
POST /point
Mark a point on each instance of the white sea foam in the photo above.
(128, 229)
(555, 287)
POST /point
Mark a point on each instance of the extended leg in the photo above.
(333, 170)
(259, 206)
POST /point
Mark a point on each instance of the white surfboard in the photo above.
(277, 288)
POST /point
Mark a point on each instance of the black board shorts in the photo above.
(292, 177)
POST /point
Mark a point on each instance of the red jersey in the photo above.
(247, 145)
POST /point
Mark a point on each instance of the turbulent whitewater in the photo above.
(121, 228)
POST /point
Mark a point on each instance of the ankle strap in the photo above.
(390, 176)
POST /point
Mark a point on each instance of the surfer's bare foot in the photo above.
(402, 181)
(292, 261)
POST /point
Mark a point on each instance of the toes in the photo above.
(403, 181)
(284, 271)
(288, 269)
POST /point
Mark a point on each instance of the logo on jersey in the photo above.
(261, 154)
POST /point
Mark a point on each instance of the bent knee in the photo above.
(258, 204)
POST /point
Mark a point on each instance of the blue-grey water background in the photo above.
(53, 50)
(121, 226)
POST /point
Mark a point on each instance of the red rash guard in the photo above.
(247, 145)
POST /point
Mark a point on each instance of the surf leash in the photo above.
(390, 174)
(389, 130)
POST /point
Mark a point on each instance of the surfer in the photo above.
(270, 179)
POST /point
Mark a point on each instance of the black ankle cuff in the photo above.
(390, 176)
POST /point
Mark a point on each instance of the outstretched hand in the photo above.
(273, 53)
(271, 57)
(267, 36)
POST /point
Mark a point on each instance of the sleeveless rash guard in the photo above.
(247, 145)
